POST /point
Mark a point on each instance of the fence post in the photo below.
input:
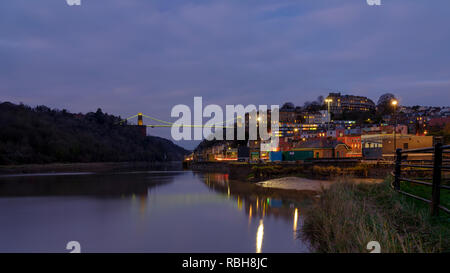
(397, 171)
(436, 188)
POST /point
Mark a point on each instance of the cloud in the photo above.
(147, 56)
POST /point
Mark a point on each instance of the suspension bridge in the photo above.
(162, 123)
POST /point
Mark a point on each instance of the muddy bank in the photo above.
(304, 184)
(296, 183)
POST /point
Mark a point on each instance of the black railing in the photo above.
(435, 165)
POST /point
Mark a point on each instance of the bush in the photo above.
(348, 216)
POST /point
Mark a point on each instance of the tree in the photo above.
(316, 105)
(384, 105)
(41, 135)
(288, 106)
(320, 100)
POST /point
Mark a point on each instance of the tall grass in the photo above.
(358, 170)
(277, 170)
(350, 215)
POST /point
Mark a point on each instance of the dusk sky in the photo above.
(129, 56)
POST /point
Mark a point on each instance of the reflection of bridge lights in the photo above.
(259, 236)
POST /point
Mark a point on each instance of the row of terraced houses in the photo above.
(306, 134)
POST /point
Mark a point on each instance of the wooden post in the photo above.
(437, 173)
(397, 171)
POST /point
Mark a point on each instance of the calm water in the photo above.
(161, 211)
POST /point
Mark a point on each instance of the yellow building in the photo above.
(324, 148)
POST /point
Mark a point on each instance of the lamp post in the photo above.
(394, 104)
(328, 101)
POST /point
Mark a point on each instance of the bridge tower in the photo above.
(141, 125)
(140, 121)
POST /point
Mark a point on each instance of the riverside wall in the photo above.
(242, 171)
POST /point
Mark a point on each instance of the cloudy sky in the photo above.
(129, 56)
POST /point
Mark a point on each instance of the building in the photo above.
(354, 143)
(439, 121)
(406, 142)
(386, 129)
(287, 113)
(323, 148)
(243, 153)
(320, 117)
(372, 149)
(348, 124)
(254, 147)
(285, 143)
(340, 103)
(376, 146)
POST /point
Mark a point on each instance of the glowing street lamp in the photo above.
(394, 104)
(328, 101)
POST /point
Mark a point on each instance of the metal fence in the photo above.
(437, 165)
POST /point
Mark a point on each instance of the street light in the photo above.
(394, 104)
(328, 101)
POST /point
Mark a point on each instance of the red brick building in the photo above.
(354, 143)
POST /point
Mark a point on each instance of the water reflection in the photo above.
(295, 227)
(259, 236)
(147, 212)
(260, 203)
(100, 185)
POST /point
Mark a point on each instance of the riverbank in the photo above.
(317, 170)
(349, 215)
(296, 183)
(306, 184)
(88, 167)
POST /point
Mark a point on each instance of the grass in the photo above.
(425, 192)
(276, 170)
(359, 170)
(349, 215)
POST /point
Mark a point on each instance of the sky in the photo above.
(130, 56)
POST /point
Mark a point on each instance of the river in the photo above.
(147, 211)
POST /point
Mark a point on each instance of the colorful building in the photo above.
(354, 143)
(323, 148)
(340, 103)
